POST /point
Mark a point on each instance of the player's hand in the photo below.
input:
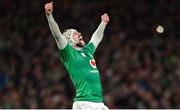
(105, 18)
(48, 8)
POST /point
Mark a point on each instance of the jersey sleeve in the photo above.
(66, 53)
(90, 47)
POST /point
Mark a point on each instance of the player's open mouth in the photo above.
(80, 38)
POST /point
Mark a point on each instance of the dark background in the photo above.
(139, 67)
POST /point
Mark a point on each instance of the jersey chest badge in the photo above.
(92, 63)
(83, 54)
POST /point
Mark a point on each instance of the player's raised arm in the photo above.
(99, 33)
(60, 40)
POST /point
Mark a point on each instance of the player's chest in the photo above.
(85, 59)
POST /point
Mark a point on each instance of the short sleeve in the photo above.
(90, 47)
(66, 53)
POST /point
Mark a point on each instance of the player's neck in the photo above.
(77, 47)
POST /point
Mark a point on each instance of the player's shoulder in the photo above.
(90, 44)
(90, 47)
(67, 53)
(68, 47)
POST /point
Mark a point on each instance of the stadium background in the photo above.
(139, 67)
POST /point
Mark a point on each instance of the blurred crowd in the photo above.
(139, 67)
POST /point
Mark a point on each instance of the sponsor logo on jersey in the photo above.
(92, 63)
(94, 71)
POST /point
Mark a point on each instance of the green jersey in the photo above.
(83, 72)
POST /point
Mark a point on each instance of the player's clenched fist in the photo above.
(49, 8)
(105, 18)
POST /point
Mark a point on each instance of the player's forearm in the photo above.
(60, 40)
(98, 34)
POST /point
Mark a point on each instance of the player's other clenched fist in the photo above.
(49, 8)
(105, 18)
